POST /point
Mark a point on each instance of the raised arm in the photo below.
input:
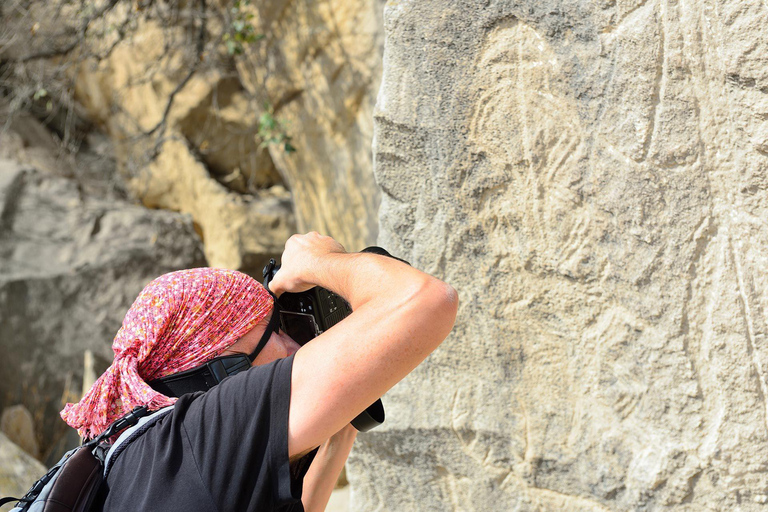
(400, 316)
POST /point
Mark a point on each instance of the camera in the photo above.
(308, 314)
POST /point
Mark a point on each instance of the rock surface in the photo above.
(593, 178)
(71, 267)
(17, 424)
(318, 68)
(18, 470)
(321, 64)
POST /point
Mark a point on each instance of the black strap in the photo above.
(120, 424)
(272, 326)
(201, 378)
(9, 499)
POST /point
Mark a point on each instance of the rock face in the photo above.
(71, 267)
(210, 139)
(593, 178)
(18, 471)
(17, 424)
(321, 64)
(318, 68)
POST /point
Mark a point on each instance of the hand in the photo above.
(301, 260)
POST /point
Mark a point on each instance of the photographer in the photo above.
(265, 438)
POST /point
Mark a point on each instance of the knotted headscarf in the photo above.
(179, 321)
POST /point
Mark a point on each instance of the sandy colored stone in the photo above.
(592, 178)
(318, 69)
(17, 424)
(320, 65)
(239, 231)
(18, 470)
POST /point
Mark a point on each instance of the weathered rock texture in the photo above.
(17, 424)
(209, 139)
(321, 63)
(18, 470)
(71, 267)
(318, 67)
(592, 176)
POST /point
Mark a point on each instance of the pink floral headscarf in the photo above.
(179, 321)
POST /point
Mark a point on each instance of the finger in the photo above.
(276, 285)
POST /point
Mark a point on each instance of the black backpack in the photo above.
(73, 483)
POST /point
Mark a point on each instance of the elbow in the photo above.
(449, 301)
(451, 304)
(437, 303)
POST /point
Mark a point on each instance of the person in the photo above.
(274, 437)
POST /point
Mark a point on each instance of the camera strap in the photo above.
(272, 326)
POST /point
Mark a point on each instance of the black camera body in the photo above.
(308, 314)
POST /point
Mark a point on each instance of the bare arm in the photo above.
(400, 316)
(321, 478)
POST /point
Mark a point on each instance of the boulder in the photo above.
(18, 470)
(592, 178)
(17, 424)
(71, 267)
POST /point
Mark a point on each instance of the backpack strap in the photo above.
(74, 481)
(11, 499)
(127, 437)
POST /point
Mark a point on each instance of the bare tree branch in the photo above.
(57, 52)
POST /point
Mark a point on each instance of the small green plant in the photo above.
(241, 30)
(272, 131)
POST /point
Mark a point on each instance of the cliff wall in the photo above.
(592, 177)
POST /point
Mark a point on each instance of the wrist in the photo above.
(327, 269)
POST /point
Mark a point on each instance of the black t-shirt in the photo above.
(224, 450)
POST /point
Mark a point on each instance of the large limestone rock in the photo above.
(317, 68)
(18, 470)
(209, 139)
(321, 66)
(17, 424)
(71, 267)
(593, 178)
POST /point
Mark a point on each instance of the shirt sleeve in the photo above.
(238, 436)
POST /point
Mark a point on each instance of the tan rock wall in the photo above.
(592, 178)
(317, 69)
(321, 64)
